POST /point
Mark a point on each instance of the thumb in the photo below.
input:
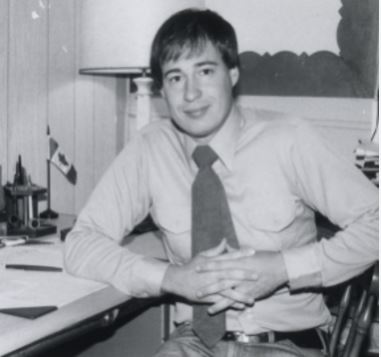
(215, 251)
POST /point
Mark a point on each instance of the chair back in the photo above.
(355, 314)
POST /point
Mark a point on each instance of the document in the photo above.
(28, 288)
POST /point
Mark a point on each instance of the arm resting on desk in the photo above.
(118, 203)
(95, 257)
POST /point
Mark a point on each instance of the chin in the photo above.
(196, 129)
(200, 135)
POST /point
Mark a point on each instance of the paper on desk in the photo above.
(20, 288)
(50, 255)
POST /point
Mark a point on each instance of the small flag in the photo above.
(58, 158)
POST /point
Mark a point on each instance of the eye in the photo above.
(207, 71)
(174, 79)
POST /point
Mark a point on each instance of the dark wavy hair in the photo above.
(188, 31)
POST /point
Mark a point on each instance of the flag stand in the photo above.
(48, 213)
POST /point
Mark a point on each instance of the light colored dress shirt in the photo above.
(276, 172)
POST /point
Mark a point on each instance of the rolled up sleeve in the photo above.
(336, 188)
(93, 248)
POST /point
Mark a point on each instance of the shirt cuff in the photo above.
(143, 279)
(303, 268)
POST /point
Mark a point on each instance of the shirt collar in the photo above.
(223, 143)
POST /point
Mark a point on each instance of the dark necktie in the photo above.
(211, 222)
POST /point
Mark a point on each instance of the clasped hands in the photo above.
(227, 278)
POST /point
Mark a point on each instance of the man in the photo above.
(275, 172)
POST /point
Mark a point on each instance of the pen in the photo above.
(33, 267)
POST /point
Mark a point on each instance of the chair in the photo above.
(355, 313)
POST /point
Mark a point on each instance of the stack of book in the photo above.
(367, 156)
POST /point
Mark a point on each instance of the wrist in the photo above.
(169, 281)
(283, 275)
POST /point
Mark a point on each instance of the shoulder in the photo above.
(152, 135)
(261, 123)
(157, 132)
(158, 141)
(279, 136)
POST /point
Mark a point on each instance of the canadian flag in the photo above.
(59, 159)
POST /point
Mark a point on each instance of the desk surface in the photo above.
(17, 333)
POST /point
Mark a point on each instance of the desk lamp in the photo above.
(116, 37)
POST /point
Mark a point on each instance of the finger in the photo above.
(238, 296)
(215, 251)
(212, 299)
(226, 289)
(215, 288)
(227, 303)
(225, 280)
(238, 274)
(216, 265)
(223, 265)
(236, 254)
(219, 306)
(222, 303)
(238, 306)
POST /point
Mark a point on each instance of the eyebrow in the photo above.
(199, 64)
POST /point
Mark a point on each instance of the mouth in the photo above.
(196, 113)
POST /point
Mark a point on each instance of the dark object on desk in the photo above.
(64, 232)
(21, 198)
(3, 222)
(29, 267)
(42, 230)
(59, 159)
(48, 213)
(3, 214)
(29, 312)
(2, 198)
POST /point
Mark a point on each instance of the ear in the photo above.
(234, 75)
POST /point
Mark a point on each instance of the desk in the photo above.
(19, 336)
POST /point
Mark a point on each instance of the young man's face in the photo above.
(198, 90)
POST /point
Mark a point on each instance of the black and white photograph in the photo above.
(189, 178)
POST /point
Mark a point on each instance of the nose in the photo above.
(192, 90)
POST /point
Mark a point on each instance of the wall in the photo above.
(300, 26)
(40, 84)
(342, 121)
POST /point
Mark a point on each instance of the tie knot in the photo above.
(204, 156)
